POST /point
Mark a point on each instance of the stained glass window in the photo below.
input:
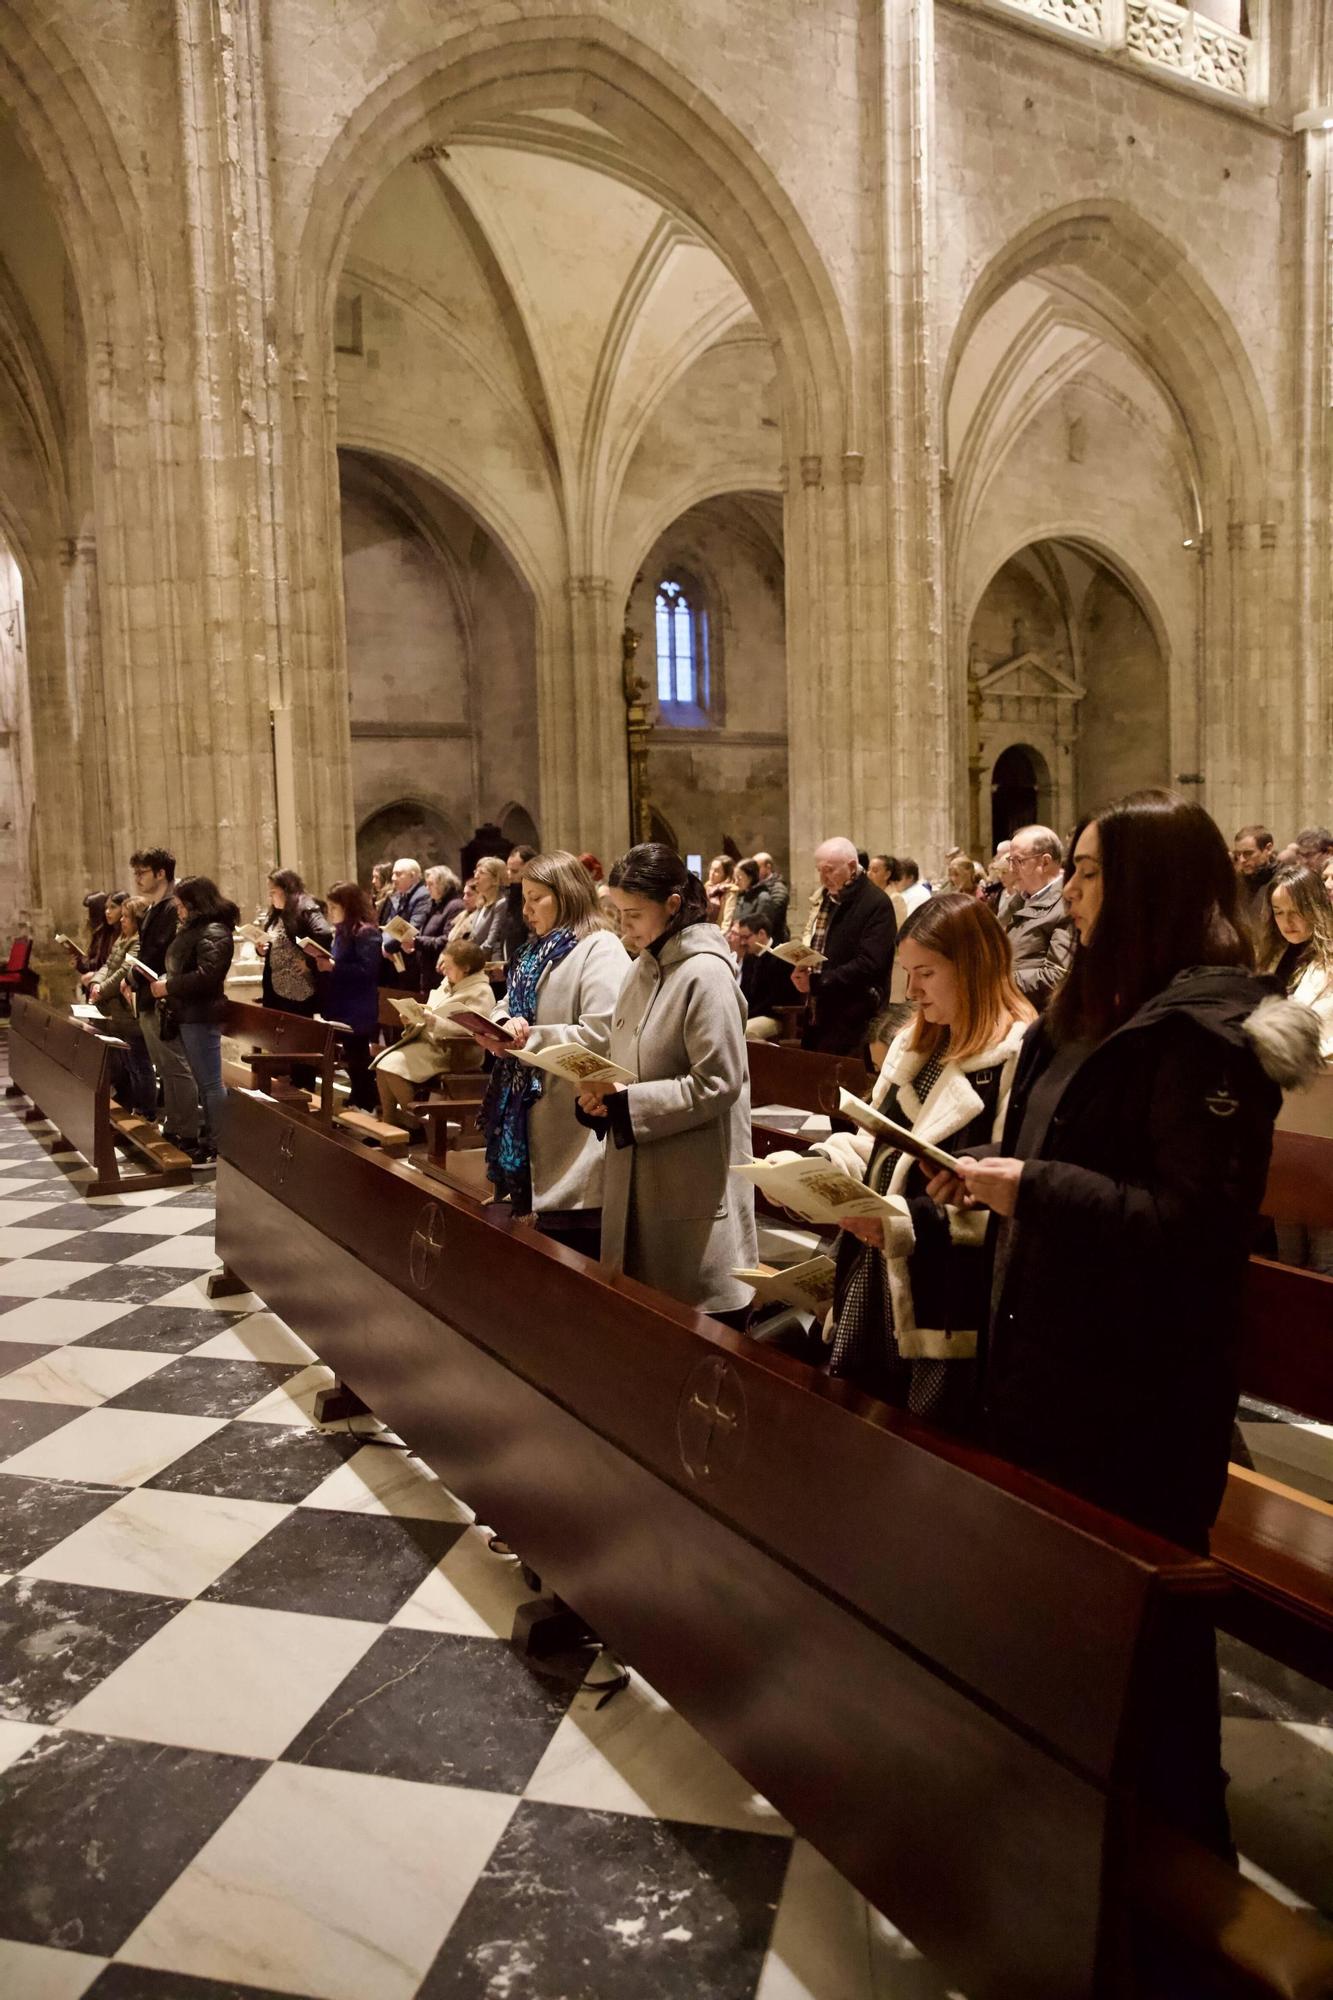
(682, 647)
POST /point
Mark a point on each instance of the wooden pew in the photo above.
(64, 1067)
(940, 1669)
(266, 1045)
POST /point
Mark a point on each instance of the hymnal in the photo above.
(576, 1064)
(813, 1187)
(879, 1127)
(802, 956)
(808, 1286)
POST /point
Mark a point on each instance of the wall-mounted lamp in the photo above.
(1319, 118)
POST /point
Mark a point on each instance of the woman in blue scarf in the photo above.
(539, 1157)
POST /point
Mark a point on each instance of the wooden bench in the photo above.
(64, 1067)
(266, 1045)
(942, 1671)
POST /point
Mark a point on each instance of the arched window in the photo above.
(682, 646)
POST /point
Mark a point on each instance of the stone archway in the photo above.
(678, 148)
(1020, 790)
(406, 827)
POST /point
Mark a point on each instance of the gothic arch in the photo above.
(1144, 289)
(676, 146)
(62, 126)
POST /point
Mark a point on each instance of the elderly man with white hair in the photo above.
(853, 924)
(409, 897)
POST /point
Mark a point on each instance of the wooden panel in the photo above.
(65, 1070)
(880, 1508)
(803, 1078)
(1300, 1180)
(1280, 1547)
(931, 1805)
(1287, 1339)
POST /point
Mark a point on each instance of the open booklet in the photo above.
(83, 1013)
(399, 928)
(315, 945)
(481, 1026)
(800, 955)
(808, 1286)
(576, 1064)
(68, 943)
(815, 1188)
(902, 1136)
(407, 1009)
(139, 966)
(254, 934)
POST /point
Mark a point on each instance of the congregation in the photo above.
(1099, 1031)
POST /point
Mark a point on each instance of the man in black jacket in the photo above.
(154, 871)
(765, 980)
(779, 895)
(855, 928)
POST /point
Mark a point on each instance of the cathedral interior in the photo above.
(918, 414)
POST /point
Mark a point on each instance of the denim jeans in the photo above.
(179, 1094)
(202, 1043)
(135, 1080)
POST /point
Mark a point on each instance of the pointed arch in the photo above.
(1144, 289)
(676, 145)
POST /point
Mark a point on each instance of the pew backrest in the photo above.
(936, 1666)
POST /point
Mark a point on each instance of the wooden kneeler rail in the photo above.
(943, 1672)
(64, 1068)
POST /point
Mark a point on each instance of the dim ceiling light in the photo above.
(1318, 119)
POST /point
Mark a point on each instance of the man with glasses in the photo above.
(154, 871)
(1041, 935)
(1255, 861)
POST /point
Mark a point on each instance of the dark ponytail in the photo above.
(656, 872)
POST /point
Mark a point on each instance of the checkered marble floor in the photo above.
(260, 1728)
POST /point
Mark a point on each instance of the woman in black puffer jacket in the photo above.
(198, 961)
(1127, 1192)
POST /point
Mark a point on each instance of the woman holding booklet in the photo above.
(910, 1288)
(289, 971)
(538, 1156)
(673, 1214)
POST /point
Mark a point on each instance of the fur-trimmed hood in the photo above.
(1246, 1010)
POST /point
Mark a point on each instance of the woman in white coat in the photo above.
(911, 1292)
(538, 1156)
(673, 1213)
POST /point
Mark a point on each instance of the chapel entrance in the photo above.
(1019, 781)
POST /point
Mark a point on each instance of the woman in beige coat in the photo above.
(673, 1213)
(437, 1043)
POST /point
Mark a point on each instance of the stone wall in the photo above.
(612, 261)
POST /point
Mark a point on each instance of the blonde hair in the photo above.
(578, 907)
(965, 932)
(490, 869)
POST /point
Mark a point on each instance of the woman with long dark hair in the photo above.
(289, 971)
(353, 995)
(198, 961)
(673, 1214)
(1127, 1194)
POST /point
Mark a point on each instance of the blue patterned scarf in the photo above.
(514, 1086)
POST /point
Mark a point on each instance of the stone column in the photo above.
(581, 721)
(912, 781)
(1310, 780)
(238, 584)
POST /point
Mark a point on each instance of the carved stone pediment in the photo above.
(1029, 674)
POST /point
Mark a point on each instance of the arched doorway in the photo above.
(1020, 791)
(407, 827)
(519, 827)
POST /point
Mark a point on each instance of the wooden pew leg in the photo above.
(225, 1284)
(336, 1403)
(546, 1625)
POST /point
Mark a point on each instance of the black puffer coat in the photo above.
(198, 961)
(1110, 1360)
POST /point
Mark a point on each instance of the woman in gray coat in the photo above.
(673, 1213)
(571, 969)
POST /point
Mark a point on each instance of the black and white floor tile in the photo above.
(260, 1729)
